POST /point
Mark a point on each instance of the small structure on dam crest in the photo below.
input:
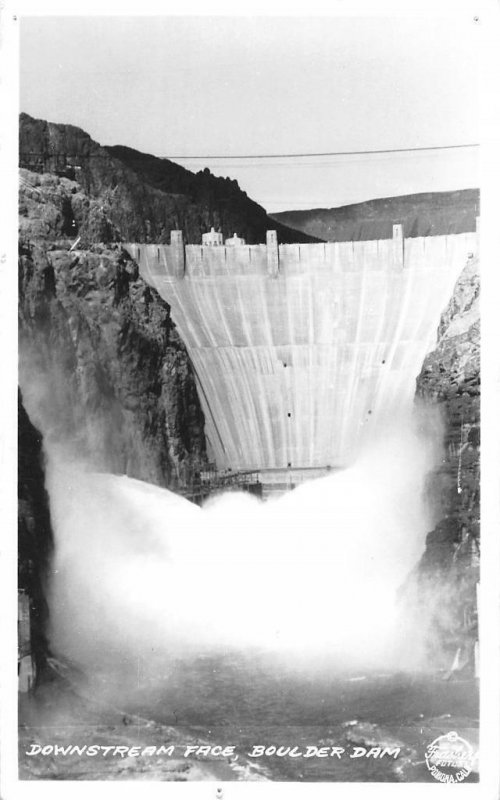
(299, 349)
(212, 239)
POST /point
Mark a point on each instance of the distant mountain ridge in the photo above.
(426, 214)
(145, 197)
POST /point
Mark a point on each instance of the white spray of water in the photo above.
(311, 575)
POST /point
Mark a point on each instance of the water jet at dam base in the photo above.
(313, 573)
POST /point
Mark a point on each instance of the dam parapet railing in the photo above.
(179, 260)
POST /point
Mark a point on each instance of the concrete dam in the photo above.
(300, 350)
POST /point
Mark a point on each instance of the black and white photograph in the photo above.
(249, 536)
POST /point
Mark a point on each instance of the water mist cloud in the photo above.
(314, 572)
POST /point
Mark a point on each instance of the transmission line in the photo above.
(333, 153)
(258, 156)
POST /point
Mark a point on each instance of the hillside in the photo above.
(142, 196)
(427, 214)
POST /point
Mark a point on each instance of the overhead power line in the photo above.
(333, 153)
(259, 156)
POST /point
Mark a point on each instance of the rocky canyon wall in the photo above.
(442, 588)
(35, 540)
(102, 367)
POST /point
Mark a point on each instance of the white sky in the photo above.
(256, 85)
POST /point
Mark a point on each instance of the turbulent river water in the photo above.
(259, 624)
(246, 700)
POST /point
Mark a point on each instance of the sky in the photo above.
(232, 86)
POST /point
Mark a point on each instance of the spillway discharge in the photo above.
(313, 573)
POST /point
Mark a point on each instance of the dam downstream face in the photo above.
(301, 352)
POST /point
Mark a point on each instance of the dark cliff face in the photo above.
(143, 197)
(102, 367)
(35, 540)
(443, 586)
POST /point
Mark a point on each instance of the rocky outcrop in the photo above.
(143, 197)
(34, 532)
(101, 365)
(443, 586)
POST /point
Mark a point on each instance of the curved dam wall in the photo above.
(301, 350)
